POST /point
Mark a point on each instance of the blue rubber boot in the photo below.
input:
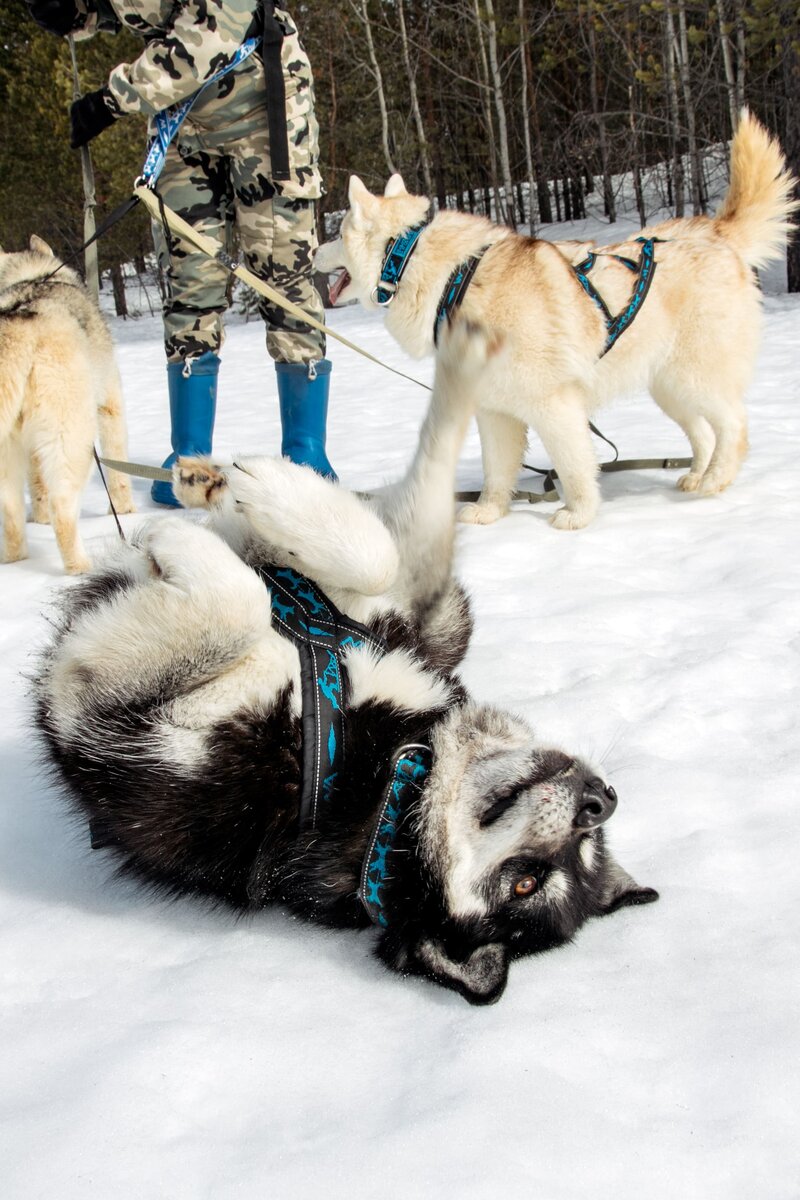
(303, 397)
(192, 405)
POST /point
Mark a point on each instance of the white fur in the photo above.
(59, 387)
(693, 343)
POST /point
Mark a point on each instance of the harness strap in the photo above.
(616, 326)
(395, 261)
(410, 767)
(277, 124)
(455, 290)
(321, 634)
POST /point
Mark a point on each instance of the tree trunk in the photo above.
(790, 38)
(118, 287)
(378, 77)
(526, 121)
(682, 52)
(727, 62)
(605, 166)
(502, 124)
(542, 186)
(415, 109)
(487, 111)
(672, 101)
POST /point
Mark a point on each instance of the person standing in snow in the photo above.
(248, 149)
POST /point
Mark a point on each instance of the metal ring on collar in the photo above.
(383, 287)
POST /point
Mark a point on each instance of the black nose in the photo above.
(596, 804)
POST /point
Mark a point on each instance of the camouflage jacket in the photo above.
(186, 43)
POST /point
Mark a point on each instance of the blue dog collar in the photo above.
(395, 261)
(410, 768)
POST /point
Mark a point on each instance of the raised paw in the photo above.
(198, 483)
(469, 346)
(568, 518)
(480, 513)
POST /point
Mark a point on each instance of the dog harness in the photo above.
(399, 251)
(321, 634)
(395, 260)
(644, 270)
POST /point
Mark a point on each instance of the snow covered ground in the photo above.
(153, 1049)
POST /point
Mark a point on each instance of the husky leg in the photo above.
(420, 509)
(697, 429)
(40, 502)
(65, 498)
(563, 428)
(12, 497)
(503, 439)
(111, 422)
(728, 420)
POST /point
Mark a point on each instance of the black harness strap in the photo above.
(455, 290)
(321, 634)
(272, 41)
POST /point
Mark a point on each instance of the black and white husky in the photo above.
(181, 715)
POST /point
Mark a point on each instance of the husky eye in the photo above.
(525, 886)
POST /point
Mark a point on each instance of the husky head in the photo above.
(357, 254)
(508, 856)
(23, 266)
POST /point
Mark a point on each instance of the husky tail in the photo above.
(755, 214)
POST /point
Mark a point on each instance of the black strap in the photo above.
(455, 290)
(321, 633)
(115, 215)
(271, 43)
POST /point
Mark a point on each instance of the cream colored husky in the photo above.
(693, 343)
(59, 384)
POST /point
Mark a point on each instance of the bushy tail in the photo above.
(755, 213)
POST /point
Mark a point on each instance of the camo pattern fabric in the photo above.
(217, 174)
(225, 192)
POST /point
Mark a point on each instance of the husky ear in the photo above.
(362, 203)
(619, 889)
(395, 187)
(40, 246)
(481, 978)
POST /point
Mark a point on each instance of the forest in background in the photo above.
(509, 107)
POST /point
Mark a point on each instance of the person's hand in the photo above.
(89, 116)
(56, 16)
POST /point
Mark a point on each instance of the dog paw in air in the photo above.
(198, 483)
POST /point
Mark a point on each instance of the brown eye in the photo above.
(525, 886)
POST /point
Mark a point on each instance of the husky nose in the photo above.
(596, 804)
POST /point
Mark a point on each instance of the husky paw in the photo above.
(569, 518)
(713, 482)
(78, 565)
(122, 499)
(40, 511)
(470, 346)
(481, 513)
(198, 483)
(689, 482)
(14, 554)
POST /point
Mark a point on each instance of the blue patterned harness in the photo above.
(644, 270)
(322, 634)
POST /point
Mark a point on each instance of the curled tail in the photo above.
(755, 214)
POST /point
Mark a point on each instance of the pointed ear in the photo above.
(481, 979)
(620, 890)
(395, 186)
(40, 246)
(362, 203)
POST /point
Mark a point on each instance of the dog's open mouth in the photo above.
(336, 288)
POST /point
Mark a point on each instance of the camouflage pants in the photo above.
(221, 184)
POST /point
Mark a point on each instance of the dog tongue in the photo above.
(337, 287)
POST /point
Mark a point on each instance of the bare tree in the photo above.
(415, 109)
(361, 10)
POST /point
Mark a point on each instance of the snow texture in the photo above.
(154, 1049)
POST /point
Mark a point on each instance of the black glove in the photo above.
(89, 116)
(56, 16)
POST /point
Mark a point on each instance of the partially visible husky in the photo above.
(58, 383)
(693, 343)
(174, 709)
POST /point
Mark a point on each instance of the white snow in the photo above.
(154, 1049)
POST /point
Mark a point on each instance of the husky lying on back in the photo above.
(693, 343)
(175, 708)
(59, 385)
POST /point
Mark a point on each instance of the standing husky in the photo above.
(58, 383)
(178, 711)
(693, 342)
